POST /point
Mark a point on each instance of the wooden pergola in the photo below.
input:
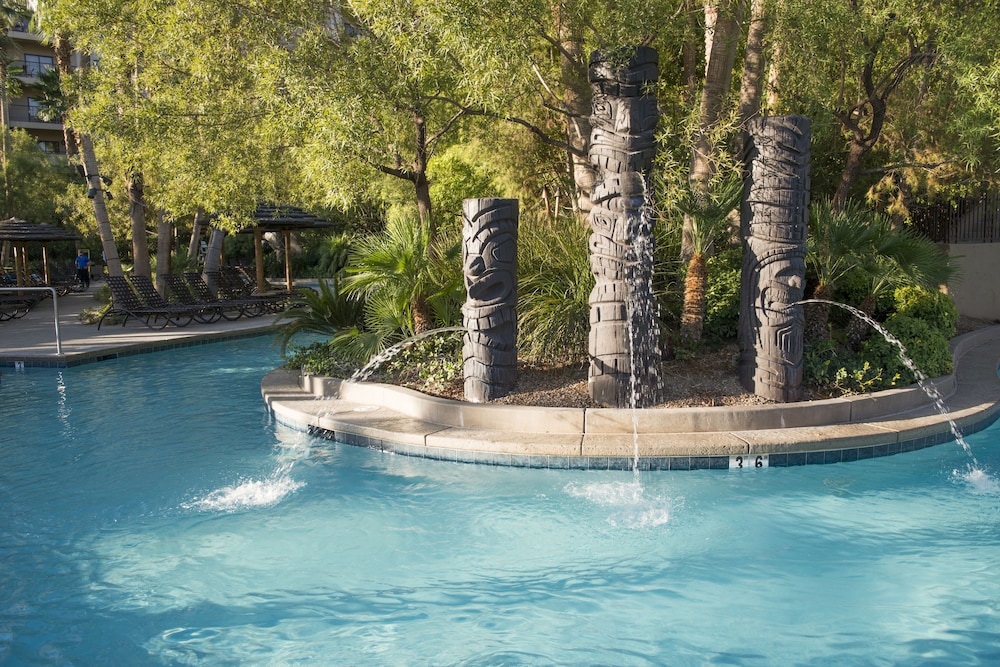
(283, 219)
(20, 233)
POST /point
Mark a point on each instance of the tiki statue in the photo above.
(774, 222)
(624, 335)
(489, 254)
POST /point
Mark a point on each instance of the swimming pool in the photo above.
(153, 514)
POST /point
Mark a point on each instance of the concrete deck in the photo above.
(31, 341)
(407, 422)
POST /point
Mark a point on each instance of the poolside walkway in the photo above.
(31, 340)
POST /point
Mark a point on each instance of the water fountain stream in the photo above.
(974, 473)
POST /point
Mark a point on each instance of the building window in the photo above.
(35, 111)
(51, 146)
(34, 65)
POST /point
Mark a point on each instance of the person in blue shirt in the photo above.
(83, 268)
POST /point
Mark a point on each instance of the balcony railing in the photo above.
(25, 113)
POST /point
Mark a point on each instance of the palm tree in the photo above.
(327, 311)
(833, 250)
(902, 257)
(708, 219)
(857, 240)
(408, 282)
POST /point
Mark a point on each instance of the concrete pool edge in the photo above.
(403, 421)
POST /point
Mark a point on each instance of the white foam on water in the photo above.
(980, 480)
(633, 508)
(249, 494)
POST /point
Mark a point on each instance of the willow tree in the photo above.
(187, 103)
(898, 80)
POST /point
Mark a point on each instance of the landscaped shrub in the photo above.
(722, 299)
(936, 308)
(835, 370)
(554, 283)
(926, 345)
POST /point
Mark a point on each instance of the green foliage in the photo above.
(327, 311)
(923, 321)
(332, 255)
(837, 370)
(320, 358)
(35, 180)
(722, 302)
(554, 284)
(455, 175)
(935, 308)
(431, 364)
(925, 345)
(396, 272)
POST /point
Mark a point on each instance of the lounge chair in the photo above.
(232, 286)
(126, 302)
(14, 305)
(183, 292)
(202, 313)
(248, 306)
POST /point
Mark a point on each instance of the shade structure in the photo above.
(21, 232)
(284, 219)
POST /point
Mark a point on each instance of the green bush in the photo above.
(935, 308)
(722, 298)
(554, 283)
(836, 370)
(322, 358)
(925, 345)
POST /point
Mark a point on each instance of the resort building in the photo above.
(32, 56)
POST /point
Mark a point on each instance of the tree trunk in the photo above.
(774, 71)
(752, 84)
(423, 320)
(858, 330)
(817, 326)
(100, 209)
(420, 184)
(578, 99)
(695, 288)
(721, 44)
(164, 245)
(137, 216)
(213, 255)
(852, 169)
(5, 129)
(63, 55)
(195, 245)
(689, 54)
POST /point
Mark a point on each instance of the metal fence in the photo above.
(968, 220)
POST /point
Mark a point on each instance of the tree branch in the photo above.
(534, 129)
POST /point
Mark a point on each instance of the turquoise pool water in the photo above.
(151, 513)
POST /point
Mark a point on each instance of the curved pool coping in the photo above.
(404, 421)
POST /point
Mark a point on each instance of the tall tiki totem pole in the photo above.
(624, 335)
(774, 222)
(489, 256)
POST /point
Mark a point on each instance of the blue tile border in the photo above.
(649, 463)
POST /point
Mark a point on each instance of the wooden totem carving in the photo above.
(774, 222)
(624, 334)
(489, 255)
